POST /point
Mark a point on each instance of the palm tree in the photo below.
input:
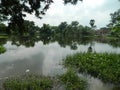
(92, 22)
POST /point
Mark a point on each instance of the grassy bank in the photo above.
(102, 65)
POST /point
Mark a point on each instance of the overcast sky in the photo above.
(83, 12)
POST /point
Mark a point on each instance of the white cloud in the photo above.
(82, 12)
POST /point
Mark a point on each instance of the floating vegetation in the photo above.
(71, 81)
(101, 65)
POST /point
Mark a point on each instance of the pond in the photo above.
(46, 60)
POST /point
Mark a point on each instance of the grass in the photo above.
(2, 49)
(28, 82)
(72, 81)
(101, 65)
(69, 80)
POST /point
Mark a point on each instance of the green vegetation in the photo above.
(20, 9)
(101, 65)
(2, 49)
(3, 36)
(37, 82)
(72, 81)
(65, 34)
(28, 82)
(115, 24)
(2, 29)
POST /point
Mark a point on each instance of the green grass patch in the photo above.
(101, 65)
(2, 49)
(28, 82)
(69, 81)
(72, 81)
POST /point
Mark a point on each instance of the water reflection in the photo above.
(43, 57)
(96, 84)
(19, 67)
(63, 41)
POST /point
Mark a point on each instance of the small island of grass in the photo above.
(101, 65)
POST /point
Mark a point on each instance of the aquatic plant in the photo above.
(71, 81)
(28, 82)
(105, 66)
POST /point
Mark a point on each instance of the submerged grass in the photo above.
(102, 65)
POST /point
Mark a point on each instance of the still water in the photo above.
(47, 59)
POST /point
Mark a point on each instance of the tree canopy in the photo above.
(115, 23)
(14, 11)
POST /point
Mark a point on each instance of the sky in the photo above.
(83, 12)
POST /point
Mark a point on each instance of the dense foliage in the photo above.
(102, 65)
(65, 34)
(115, 23)
(2, 29)
(15, 11)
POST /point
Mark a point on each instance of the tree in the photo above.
(62, 25)
(92, 22)
(2, 28)
(15, 10)
(115, 23)
(74, 23)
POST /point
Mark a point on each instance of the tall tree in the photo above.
(115, 23)
(92, 22)
(74, 23)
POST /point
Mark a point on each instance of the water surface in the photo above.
(47, 59)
